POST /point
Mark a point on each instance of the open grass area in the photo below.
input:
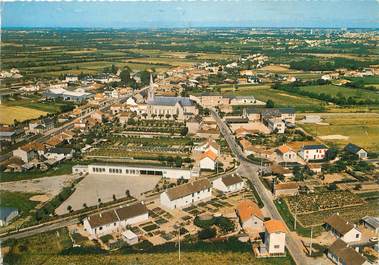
(60, 169)
(233, 252)
(10, 113)
(19, 200)
(38, 249)
(361, 128)
(280, 98)
(332, 90)
(230, 258)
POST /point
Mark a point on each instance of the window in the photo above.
(100, 228)
(356, 235)
(276, 246)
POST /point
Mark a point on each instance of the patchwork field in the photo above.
(361, 128)
(10, 113)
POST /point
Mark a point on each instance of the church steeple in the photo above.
(151, 92)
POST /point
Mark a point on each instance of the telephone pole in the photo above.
(310, 246)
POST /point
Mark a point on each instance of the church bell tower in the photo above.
(151, 92)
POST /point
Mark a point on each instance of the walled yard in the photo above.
(93, 187)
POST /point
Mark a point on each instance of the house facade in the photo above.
(286, 154)
(187, 194)
(250, 215)
(342, 229)
(228, 184)
(275, 237)
(313, 152)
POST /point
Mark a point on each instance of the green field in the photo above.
(280, 98)
(361, 128)
(19, 200)
(333, 90)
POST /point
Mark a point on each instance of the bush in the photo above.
(207, 233)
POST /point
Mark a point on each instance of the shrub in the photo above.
(207, 233)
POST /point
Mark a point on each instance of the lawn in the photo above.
(10, 113)
(361, 128)
(19, 200)
(280, 98)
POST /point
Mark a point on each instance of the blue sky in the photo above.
(253, 13)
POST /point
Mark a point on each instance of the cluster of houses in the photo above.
(346, 247)
(208, 152)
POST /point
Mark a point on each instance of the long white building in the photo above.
(187, 194)
(135, 170)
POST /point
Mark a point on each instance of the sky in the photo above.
(214, 13)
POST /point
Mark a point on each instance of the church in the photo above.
(160, 107)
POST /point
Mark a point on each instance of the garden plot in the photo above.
(320, 201)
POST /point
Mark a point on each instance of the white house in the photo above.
(276, 125)
(275, 237)
(228, 184)
(208, 160)
(186, 194)
(116, 220)
(356, 150)
(29, 151)
(313, 152)
(286, 154)
(342, 254)
(342, 229)
(59, 153)
(250, 215)
(71, 78)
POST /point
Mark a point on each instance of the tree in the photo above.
(270, 104)
(114, 197)
(168, 116)
(207, 233)
(127, 193)
(332, 186)
(125, 76)
(69, 208)
(184, 131)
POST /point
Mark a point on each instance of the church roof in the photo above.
(170, 101)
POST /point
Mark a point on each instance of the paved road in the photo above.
(250, 171)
